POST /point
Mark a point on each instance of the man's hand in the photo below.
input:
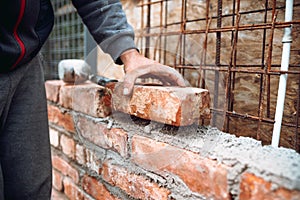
(138, 66)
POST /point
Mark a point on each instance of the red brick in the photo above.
(54, 137)
(253, 187)
(96, 189)
(88, 98)
(66, 96)
(99, 134)
(93, 162)
(56, 195)
(118, 138)
(52, 89)
(65, 168)
(57, 180)
(68, 146)
(60, 118)
(80, 154)
(171, 105)
(201, 175)
(135, 185)
(72, 191)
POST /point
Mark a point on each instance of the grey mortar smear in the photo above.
(278, 165)
(281, 166)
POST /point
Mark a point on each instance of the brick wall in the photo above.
(99, 153)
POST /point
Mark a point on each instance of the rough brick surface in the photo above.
(56, 195)
(93, 161)
(203, 176)
(52, 89)
(135, 185)
(96, 189)
(54, 137)
(68, 146)
(118, 138)
(80, 154)
(253, 187)
(72, 191)
(99, 134)
(60, 118)
(87, 98)
(57, 180)
(65, 168)
(171, 105)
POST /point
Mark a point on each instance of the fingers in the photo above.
(176, 78)
(165, 74)
(130, 78)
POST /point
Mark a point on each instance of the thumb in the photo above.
(128, 83)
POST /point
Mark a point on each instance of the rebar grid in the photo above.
(158, 29)
(67, 38)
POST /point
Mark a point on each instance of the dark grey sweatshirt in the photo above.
(26, 24)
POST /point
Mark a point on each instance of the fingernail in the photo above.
(125, 91)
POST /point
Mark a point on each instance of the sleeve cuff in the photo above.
(118, 44)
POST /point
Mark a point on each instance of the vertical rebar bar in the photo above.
(262, 82)
(230, 86)
(297, 142)
(231, 75)
(217, 60)
(201, 71)
(234, 37)
(204, 54)
(270, 49)
(142, 28)
(264, 77)
(158, 43)
(148, 26)
(182, 36)
(161, 30)
(263, 62)
(165, 30)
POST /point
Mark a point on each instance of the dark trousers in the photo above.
(25, 160)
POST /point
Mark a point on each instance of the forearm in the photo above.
(108, 25)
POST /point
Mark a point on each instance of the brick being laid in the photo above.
(176, 106)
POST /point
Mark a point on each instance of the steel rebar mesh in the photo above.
(67, 38)
(233, 48)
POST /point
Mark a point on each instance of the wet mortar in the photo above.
(278, 165)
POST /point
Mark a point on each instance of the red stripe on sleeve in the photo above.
(16, 35)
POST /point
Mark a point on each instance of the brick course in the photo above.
(56, 195)
(253, 187)
(135, 185)
(103, 159)
(54, 137)
(73, 191)
(96, 189)
(80, 154)
(68, 146)
(101, 135)
(190, 167)
(65, 168)
(52, 90)
(61, 118)
(87, 98)
(57, 179)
